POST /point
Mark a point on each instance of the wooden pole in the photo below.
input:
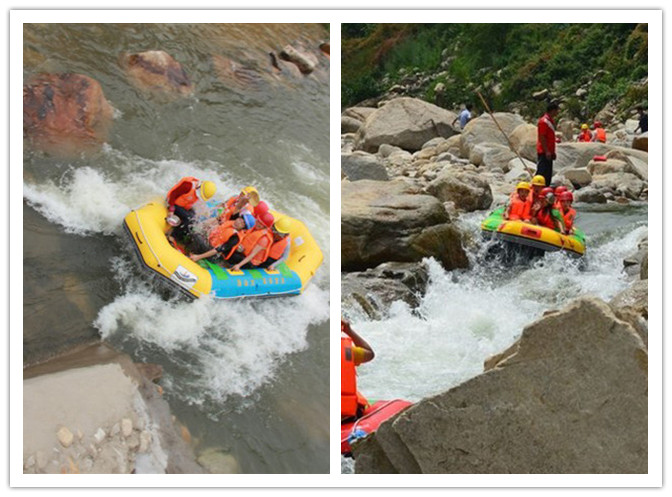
(487, 107)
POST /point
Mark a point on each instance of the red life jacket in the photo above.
(569, 217)
(278, 248)
(183, 193)
(351, 400)
(600, 135)
(519, 209)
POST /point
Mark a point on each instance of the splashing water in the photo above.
(467, 316)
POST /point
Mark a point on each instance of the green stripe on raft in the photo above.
(219, 273)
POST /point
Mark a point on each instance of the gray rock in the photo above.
(360, 165)
(484, 130)
(65, 436)
(393, 221)
(608, 166)
(524, 141)
(570, 396)
(350, 124)
(374, 290)
(635, 298)
(126, 427)
(492, 156)
(578, 177)
(519, 170)
(468, 191)
(405, 122)
(218, 462)
(590, 195)
(541, 95)
(386, 150)
(622, 184)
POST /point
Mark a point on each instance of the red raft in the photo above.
(370, 421)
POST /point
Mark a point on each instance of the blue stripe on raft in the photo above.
(255, 282)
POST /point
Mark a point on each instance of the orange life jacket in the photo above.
(351, 400)
(229, 205)
(278, 248)
(585, 136)
(600, 135)
(184, 193)
(520, 209)
(221, 234)
(251, 239)
(569, 217)
(545, 218)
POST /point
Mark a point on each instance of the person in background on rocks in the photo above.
(584, 135)
(354, 351)
(546, 140)
(464, 117)
(181, 200)
(518, 208)
(600, 134)
(568, 213)
(643, 120)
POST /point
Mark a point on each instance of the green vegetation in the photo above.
(506, 62)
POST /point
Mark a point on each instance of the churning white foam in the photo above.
(467, 316)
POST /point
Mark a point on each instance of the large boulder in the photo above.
(467, 190)
(352, 118)
(524, 141)
(156, 72)
(375, 290)
(360, 165)
(484, 130)
(624, 184)
(385, 221)
(570, 396)
(590, 195)
(579, 177)
(405, 122)
(608, 166)
(65, 114)
(491, 156)
(635, 298)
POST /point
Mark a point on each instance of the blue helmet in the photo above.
(249, 220)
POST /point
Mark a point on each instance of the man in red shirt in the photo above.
(546, 142)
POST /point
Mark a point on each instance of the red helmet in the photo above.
(267, 219)
(597, 124)
(560, 189)
(567, 196)
(545, 191)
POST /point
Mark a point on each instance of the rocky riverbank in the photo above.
(95, 411)
(570, 395)
(408, 173)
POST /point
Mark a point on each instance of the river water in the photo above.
(247, 378)
(469, 315)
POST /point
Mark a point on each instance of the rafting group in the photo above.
(542, 205)
(242, 234)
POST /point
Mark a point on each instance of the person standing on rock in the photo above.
(464, 116)
(643, 120)
(546, 142)
(354, 351)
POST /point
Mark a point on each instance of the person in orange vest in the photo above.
(548, 216)
(181, 200)
(568, 213)
(255, 246)
(518, 207)
(354, 351)
(538, 184)
(546, 140)
(600, 135)
(232, 208)
(585, 135)
(223, 239)
(282, 243)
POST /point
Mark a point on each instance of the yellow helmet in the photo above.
(584, 126)
(539, 180)
(208, 189)
(523, 185)
(283, 225)
(252, 195)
